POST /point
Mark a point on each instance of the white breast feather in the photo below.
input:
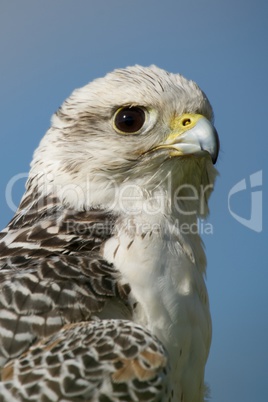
(171, 294)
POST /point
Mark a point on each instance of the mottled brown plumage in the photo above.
(104, 360)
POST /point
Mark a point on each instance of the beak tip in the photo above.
(215, 154)
(208, 138)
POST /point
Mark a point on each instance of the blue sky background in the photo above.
(48, 48)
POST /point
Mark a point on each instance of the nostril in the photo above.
(186, 121)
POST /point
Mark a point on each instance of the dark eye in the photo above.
(129, 119)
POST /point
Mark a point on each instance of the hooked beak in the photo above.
(192, 134)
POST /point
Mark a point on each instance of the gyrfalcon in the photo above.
(102, 291)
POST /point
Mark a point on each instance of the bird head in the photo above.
(139, 131)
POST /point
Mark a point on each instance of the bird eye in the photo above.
(129, 120)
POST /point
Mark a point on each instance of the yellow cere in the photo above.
(179, 124)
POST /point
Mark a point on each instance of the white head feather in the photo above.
(84, 161)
